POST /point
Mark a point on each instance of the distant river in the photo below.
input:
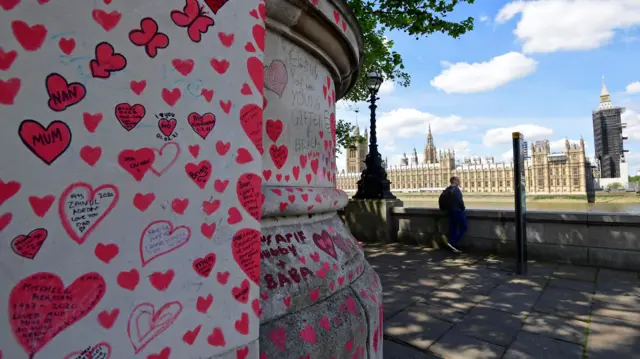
(631, 208)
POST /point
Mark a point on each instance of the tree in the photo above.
(417, 18)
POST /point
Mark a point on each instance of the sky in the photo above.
(530, 66)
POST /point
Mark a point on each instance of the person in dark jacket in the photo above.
(457, 219)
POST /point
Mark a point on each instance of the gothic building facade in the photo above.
(567, 172)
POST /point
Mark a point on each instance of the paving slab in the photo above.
(469, 286)
(587, 274)
(491, 325)
(448, 314)
(516, 283)
(393, 350)
(629, 312)
(396, 301)
(564, 303)
(415, 327)
(516, 302)
(456, 345)
(533, 346)
(580, 286)
(570, 330)
(612, 338)
(541, 269)
(456, 300)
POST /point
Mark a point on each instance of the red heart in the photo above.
(221, 66)
(67, 45)
(241, 293)
(245, 246)
(190, 336)
(207, 94)
(258, 36)
(167, 126)
(30, 37)
(171, 97)
(7, 58)
(80, 298)
(248, 190)
(161, 281)
(183, 66)
(226, 39)
(225, 106)
(256, 72)
(91, 122)
(142, 202)
(266, 174)
(222, 277)
(180, 205)
(242, 324)
(128, 280)
(106, 252)
(199, 173)
(106, 61)
(107, 319)
(283, 206)
(41, 206)
(203, 304)
(242, 353)
(194, 150)
(210, 207)
(220, 186)
(204, 266)
(216, 338)
(279, 155)
(107, 21)
(91, 155)
(248, 47)
(129, 116)
(5, 219)
(9, 4)
(208, 230)
(246, 90)
(255, 305)
(138, 86)
(63, 94)
(223, 147)
(8, 190)
(244, 156)
(325, 243)
(251, 121)
(254, 13)
(234, 216)
(202, 125)
(137, 162)
(274, 129)
(164, 354)
(9, 90)
(27, 246)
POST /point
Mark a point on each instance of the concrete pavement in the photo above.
(441, 305)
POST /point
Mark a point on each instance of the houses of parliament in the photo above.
(568, 172)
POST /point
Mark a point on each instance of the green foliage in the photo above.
(345, 137)
(376, 17)
(634, 178)
(615, 185)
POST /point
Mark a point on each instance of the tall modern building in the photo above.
(607, 135)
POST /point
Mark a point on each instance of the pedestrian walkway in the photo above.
(441, 305)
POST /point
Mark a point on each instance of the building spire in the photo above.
(429, 137)
(605, 98)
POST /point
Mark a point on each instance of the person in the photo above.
(455, 210)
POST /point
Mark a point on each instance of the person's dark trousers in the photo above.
(457, 226)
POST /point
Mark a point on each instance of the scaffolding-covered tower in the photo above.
(607, 136)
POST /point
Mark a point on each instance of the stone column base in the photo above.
(370, 220)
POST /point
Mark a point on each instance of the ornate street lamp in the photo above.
(373, 183)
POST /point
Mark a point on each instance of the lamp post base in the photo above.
(373, 187)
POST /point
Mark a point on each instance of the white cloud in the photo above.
(460, 147)
(407, 122)
(507, 156)
(632, 119)
(633, 161)
(484, 18)
(557, 25)
(387, 87)
(502, 135)
(633, 87)
(463, 77)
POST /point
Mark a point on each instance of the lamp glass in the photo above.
(374, 80)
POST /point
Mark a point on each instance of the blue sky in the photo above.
(533, 66)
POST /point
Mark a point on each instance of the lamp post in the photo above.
(373, 183)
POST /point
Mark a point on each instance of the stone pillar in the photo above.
(320, 298)
(130, 178)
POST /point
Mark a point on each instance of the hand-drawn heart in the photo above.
(142, 202)
(341, 243)
(63, 94)
(161, 281)
(67, 45)
(138, 86)
(221, 66)
(160, 238)
(167, 126)
(30, 37)
(274, 129)
(27, 246)
(251, 121)
(83, 208)
(91, 155)
(183, 66)
(279, 337)
(42, 301)
(279, 155)
(248, 190)
(8, 190)
(129, 116)
(137, 162)
(202, 125)
(106, 61)
(146, 324)
(207, 94)
(258, 36)
(226, 39)
(164, 160)
(101, 350)
(245, 246)
(7, 58)
(256, 71)
(107, 21)
(241, 293)
(106, 252)
(171, 97)
(324, 242)
(204, 266)
(275, 77)
(199, 173)
(46, 143)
